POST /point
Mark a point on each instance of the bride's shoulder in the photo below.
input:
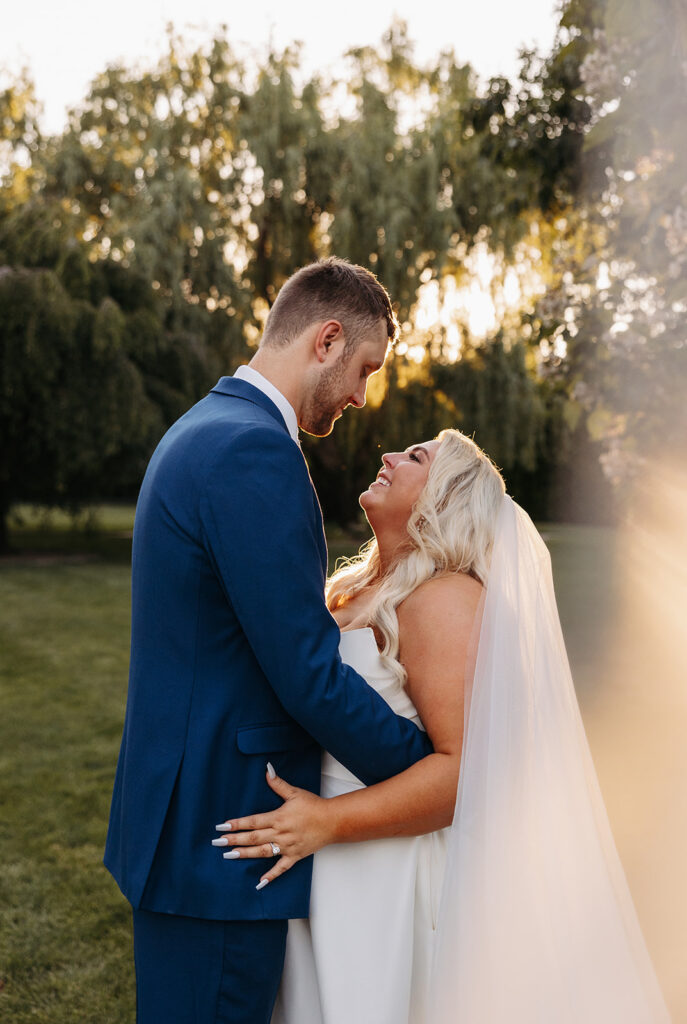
(443, 600)
(435, 627)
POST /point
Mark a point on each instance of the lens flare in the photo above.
(637, 720)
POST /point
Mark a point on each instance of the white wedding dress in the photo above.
(365, 953)
(534, 922)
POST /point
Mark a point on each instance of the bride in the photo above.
(482, 885)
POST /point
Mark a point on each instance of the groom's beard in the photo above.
(327, 401)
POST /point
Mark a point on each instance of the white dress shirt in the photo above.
(262, 384)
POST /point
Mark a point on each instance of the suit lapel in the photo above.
(237, 388)
(321, 539)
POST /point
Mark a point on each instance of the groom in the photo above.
(234, 656)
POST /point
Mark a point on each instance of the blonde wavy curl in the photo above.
(450, 530)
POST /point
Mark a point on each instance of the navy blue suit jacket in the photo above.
(234, 662)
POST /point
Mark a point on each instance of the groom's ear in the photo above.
(328, 340)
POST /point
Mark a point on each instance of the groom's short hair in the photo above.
(332, 289)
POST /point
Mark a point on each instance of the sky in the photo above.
(66, 44)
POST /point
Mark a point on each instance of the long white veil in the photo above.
(536, 923)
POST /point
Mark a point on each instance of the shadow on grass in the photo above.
(44, 536)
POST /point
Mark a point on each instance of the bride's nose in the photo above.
(389, 459)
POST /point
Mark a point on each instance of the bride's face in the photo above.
(389, 500)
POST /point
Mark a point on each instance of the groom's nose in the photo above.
(358, 397)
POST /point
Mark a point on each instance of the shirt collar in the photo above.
(252, 376)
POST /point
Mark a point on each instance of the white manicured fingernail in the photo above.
(224, 827)
(270, 771)
(261, 885)
(231, 855)
(222, 841)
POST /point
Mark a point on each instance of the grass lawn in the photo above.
(64, 931)
(65, 954)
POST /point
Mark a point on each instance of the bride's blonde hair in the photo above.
(450, 530)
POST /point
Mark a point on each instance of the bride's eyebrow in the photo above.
(418, 448)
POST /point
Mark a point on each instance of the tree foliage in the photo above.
(625, 288)
(141, 248)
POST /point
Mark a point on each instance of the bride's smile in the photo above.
(388, 502)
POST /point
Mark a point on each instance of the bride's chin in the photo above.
(367, 497)
(369, 506)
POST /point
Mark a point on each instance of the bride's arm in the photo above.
(436, 625)
(435, 629)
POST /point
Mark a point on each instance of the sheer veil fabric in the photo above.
(536, 921)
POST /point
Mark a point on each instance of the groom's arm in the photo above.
(261, 529)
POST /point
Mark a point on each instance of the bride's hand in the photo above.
(298, 828)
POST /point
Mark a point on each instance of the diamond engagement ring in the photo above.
(275, 849)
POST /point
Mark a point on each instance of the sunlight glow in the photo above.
(642, 706)
(488, 295)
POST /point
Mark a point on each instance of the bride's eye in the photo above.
(414, 457)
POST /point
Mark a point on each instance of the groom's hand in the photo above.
(295, 830)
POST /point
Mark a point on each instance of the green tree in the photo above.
(74, 416)
(617, 304)
(177, 201)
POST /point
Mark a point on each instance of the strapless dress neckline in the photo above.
(359, 648)
(374, 905)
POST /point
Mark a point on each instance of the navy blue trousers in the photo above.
(193, 971)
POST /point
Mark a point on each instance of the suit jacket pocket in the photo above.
(262, 739)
